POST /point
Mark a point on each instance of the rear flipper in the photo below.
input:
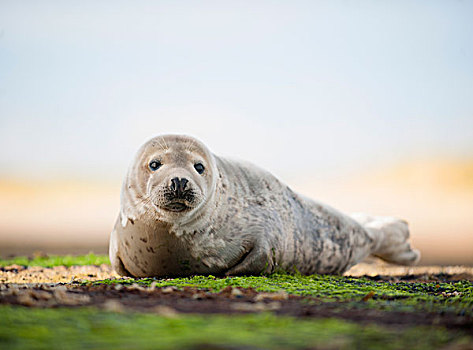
(391, 236)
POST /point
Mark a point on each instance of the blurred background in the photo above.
(364, 105)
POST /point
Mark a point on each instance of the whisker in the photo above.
(164, 141)
(160, 144)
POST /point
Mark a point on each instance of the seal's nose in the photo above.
(178, 185)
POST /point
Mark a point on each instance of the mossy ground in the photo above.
(402, 296)
(88, 327)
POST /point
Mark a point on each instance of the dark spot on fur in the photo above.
(150, 249)
(131, 220)
(144, 240)
(137, 263)
(266, 184)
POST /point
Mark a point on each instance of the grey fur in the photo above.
(243, 221)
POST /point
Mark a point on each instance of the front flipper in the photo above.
(254, 261)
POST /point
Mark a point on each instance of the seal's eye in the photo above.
(199, 168)
(155, 165)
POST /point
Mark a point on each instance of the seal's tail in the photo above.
(392, 238)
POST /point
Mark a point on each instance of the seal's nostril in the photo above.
(174, 184)
(184, 182)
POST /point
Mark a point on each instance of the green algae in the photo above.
(90, 328)
(57, 260)
(455, 297)
(401, 296)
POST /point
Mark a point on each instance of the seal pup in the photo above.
(185, 211)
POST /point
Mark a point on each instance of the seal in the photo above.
(185, 211)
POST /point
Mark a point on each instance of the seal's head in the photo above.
(171, 177)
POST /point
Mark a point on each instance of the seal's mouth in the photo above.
(176, 207)
(171, 202)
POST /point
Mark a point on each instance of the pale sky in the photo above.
(295, 86)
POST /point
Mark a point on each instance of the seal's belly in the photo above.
(147, 252)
